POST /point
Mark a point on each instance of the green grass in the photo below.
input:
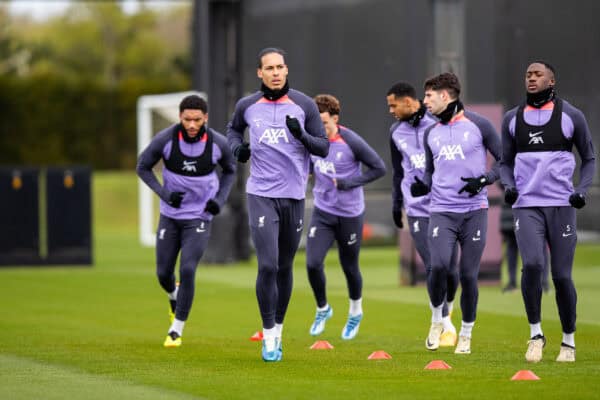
(96, 333)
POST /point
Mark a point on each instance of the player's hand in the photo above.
(510, 195)
(398, 218)
(577, 200)
(175, 199)
(474, 185)
(418, 188)
(242, 152)
(294, 126)
(212, 207)
(342, 184)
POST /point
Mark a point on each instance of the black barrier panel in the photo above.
(19, 216)
(68, 205)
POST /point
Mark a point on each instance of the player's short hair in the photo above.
(403, 89)
(328, 103)
(545, 64)
(446, 81)
(269, 50)
(193, 102)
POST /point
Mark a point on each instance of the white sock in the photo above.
(278, 329)
(173, 294)
(448, 324)
(466, 328)
(450, 306)
(270, 333)
(355, 307)
(436, 313)
(569, 338)
(324, 308)
(177, 326)
(535, 329)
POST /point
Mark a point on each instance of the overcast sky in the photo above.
(41, 9)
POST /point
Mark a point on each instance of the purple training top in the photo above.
(347, 151)
(408, 162)
(198, 189)
(544, 178)
(279, 162)
(459, 149)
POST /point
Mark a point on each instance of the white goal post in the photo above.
(167, 106)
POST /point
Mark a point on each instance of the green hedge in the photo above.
(47, 120)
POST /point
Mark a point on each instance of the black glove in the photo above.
(294, 126)
(474, 185)
(577, 200)
(175, 199)
(242, 152)
(418, 188)
(398, 218)
(212, 207)
(510, 195)
(342, 184)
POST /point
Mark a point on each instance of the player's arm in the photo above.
(507, 163)
(397, 176)
(375, 167)
(227, 164)
(235, 133)
(509, 152)
(148, 159)
(493, 144)
(313, 136)
(421, 187)
(583, 142)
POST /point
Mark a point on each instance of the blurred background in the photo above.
(72, 73)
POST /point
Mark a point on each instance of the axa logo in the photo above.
(535, 137)
(272, 136)
(189, 166)
(450, 152)
(324, 166)
(418, 160)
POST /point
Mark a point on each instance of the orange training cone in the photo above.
(379, 355)
(257, 337)
(525, 375)
(321, 345)
(437, 364)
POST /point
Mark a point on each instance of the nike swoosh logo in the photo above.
(534, 134)
(351, 242)
(475, 239)
(200, 230)
(567, 234)
(298, 229)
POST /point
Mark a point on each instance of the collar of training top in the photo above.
(276, 94)
(451, 110)
(538, 99)
(187, 138)
(416, 118)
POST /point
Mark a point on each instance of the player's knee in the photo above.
(164, 275)
(534, 266)
(314, 265)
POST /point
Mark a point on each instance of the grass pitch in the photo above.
(96, 333)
